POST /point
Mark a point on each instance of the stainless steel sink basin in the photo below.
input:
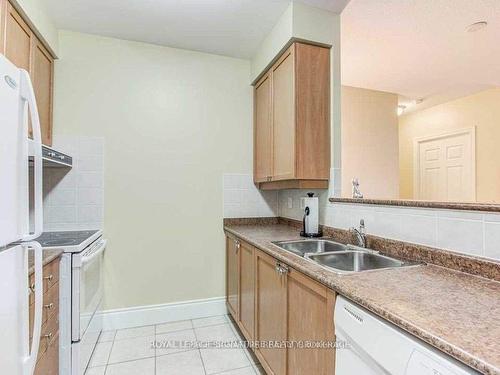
(356, 261)
(302, 247)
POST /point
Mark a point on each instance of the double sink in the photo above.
(341, 258)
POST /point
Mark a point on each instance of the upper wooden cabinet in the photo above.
(22, 47)
(292, 120)
(263, 145)
(17, 38)
(42, 74)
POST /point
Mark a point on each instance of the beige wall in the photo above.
(173, 121)
(481, 110)
(370, 142)
(272, 44)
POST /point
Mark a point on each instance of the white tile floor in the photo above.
(129, 351)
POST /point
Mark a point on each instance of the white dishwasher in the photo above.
(375, 346)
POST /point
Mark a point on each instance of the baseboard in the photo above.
(167, 312)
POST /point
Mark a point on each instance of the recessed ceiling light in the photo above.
(476, 26)
(401, 109)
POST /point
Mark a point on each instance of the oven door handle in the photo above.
(94, 253)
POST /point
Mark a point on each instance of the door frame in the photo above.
(416, 159)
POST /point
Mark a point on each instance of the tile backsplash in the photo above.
(243, 199)
(469, 232)
(74, 199)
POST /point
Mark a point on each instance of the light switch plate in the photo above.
(302, 203)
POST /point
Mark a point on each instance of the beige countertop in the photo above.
(47, 257)
(453, 311)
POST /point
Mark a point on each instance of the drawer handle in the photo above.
(49, 306)
(49, 278)
(48, 336)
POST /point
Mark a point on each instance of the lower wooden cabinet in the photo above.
(310, 307)
(277, 305)
(270, 312)
(48, 352)
(232, 276)
(48, 363)
(247, 290)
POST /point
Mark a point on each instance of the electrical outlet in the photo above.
(290, 202)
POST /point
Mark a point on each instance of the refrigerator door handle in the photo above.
(28, 95)
(31, 357)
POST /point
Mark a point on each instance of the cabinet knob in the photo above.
(49, 306)
(48, 278)
(237, 245)
(281, 269)
(48, 336)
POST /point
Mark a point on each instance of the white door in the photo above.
(445, 167)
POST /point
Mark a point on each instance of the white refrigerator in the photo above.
(17, 104)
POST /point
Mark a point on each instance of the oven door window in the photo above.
(91, 289)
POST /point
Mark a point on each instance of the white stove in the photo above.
(81, 292)
(69, 241)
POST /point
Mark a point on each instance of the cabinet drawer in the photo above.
(48, 362)
(50, 277)
(50, 303)
(50, 306)
(50, 331)
(50, 274)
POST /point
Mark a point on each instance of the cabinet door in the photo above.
(17, 39)
(42, 77)
(270, 313)
(312, 116)
(232, 276)
(247, 290)
(283, 88)
(310, 319)
(262, 130)
(3, 12)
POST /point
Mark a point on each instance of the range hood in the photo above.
(54, 159)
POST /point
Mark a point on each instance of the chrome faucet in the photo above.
(360, 233)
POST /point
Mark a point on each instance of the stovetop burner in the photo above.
(67, 238)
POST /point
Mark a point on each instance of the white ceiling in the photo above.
(419, 48)
(335, 6)
(226, 27)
